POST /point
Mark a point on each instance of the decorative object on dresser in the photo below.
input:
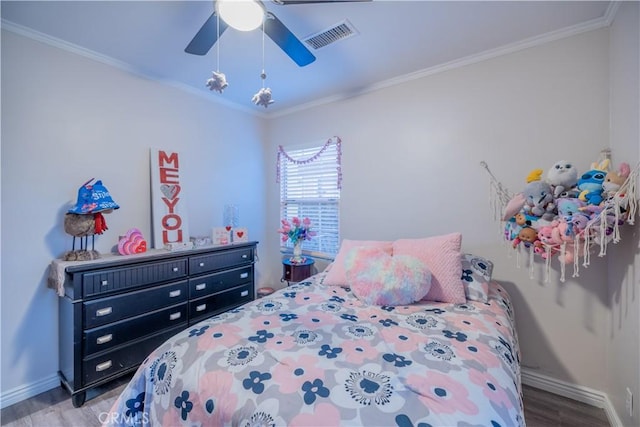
(168, 203)
(116, 310)
(86, 219)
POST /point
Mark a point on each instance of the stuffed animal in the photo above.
(562, 176)
(567, 209)
(534, 175)
(590, 183)
(550, 241)
(539, 200)
(614, 180)
(528, 235)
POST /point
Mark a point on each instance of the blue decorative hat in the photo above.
(93, 198)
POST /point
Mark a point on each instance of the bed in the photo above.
(313, 354)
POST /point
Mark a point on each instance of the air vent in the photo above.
(339, 31)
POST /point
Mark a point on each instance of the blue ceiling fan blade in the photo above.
(287, 41)
(207, 36)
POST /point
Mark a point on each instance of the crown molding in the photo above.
(591, 25)
(123, 66)
(586, 26)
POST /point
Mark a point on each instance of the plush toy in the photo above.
(263, 97)
(539, 200)
(590, 183)
(567, 209)
(514, 206)
(614, 180)
(549, 240)
(528, 235)
(534, 175)
(562, 176)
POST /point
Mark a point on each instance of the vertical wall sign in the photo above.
(168, 203)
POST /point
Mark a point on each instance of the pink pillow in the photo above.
(377, 278)
(441, 254)
(337, 275)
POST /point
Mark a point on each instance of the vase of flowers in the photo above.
(296, 231)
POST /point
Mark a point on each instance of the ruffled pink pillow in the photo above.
(378, 278)
(441, 254)
(337, 275)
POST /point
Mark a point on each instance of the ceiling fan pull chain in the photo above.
(263, 97)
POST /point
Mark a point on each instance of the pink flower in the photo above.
(296, 221)
(442, 393)
(306, 221)
(323, 415)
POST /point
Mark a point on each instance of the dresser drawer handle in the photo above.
(103, 366)
(104, 311)
(201, 307)
(201, 264)
(174, 316)
(104, 339)
(104, 282)
(174, 269)
(244, 293)
(175, 293)
(245, 256)
(244, 275)
(201, 286)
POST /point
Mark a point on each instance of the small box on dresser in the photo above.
(116, 310)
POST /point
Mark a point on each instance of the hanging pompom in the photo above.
(263, 97)
(217, 82)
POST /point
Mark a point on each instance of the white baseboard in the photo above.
(572, 391)
(26, 391)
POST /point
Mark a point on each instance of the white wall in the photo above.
(624, 259)
(65, 119)
(411, 167)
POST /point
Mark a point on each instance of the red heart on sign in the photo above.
(240, 233)
(228, 228)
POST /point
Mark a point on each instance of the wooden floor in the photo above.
(54, 408)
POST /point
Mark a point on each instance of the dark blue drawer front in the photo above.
(123, 358)
(205, 307)
(111, 309)
(123, 278)
(220, 260)
(114, 334)
(212, 283)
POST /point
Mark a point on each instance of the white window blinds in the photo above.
(310, 187)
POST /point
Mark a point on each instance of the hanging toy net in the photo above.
(565, 215)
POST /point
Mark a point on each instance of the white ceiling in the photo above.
(396, 40)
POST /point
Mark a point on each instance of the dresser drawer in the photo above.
(115, 279)
(213, 304)
(117, 333)
(123, 358)
(111, 309)
(220, 260)
(211, 283)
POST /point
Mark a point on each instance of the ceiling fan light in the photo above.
(243, 15)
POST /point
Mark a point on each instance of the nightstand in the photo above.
(296, 272)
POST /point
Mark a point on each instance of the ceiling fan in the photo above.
(208, 34)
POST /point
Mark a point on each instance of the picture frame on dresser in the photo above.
(115, 310)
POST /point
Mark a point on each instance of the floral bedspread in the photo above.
(314, 355)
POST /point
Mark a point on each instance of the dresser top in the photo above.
(58, 267)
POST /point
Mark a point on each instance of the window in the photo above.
(310, 187)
